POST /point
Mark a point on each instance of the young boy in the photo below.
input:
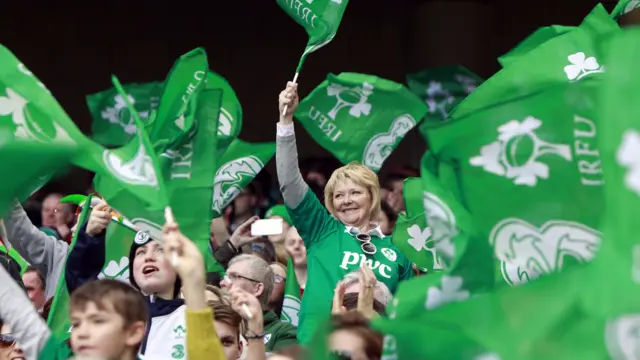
(109, 320)
(149, 271)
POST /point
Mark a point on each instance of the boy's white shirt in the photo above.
(168, 336)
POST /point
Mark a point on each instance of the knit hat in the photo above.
(142, 238)
(279, 210)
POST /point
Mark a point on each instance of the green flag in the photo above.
(320, 18)
(291, 302)
(512, 159)
(442, 89)
(37, 117)
(569, 57)
(112, 123)
(239, 165)
(534, 40)
(15, 256)
(24, 161)
(175, 114)
(624, 7)
(359, 117)
(230, 119)
(188, 168)
(143, 160)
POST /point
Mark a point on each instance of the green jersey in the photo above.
(332, 252)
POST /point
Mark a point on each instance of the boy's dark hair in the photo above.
(32, 269)
(350, 302)
(225, 314)
(357, 324)
(124, 299)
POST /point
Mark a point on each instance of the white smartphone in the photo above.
(265, 227)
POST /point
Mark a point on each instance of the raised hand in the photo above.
(288, 98)
(99, 219)
(242, 235)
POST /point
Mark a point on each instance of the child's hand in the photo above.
(251, 311)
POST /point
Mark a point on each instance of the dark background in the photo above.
(74, 49)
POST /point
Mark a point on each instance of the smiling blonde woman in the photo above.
(340, 240)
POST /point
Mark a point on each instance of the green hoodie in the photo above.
(278, 334)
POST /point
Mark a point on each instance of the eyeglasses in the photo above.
(233, 277)
(7, 340)
(278, 279)
(368, 247)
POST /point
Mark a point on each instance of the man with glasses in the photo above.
(254, 275)
(279, 279)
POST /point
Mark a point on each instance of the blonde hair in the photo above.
(360, 175)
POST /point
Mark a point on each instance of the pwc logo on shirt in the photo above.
(352, 258)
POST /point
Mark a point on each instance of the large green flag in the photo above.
(37, 117)
(512, 159)
(442, 89)
(588, 312)
(113, 124)
(320, 18)
(569, 57)
(291, 302)
(449, 242)
(188, 168)
(239, 165)
(359, 117)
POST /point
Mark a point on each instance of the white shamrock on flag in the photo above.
(346, 97)
(116, 271)
(438, 99)
(497, 157)
(581, 66)
(116, 114)
(418, 237)
(451, 291)
(628, 156)
(27, 129)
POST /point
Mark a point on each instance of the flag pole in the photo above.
(295, 78)
(168, 217)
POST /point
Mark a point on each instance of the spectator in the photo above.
(340, 240)
(387, 218)
(295, 247)
(35, 284)
(277, 295)
(253, 275)
(46, 253)
(352, 338)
